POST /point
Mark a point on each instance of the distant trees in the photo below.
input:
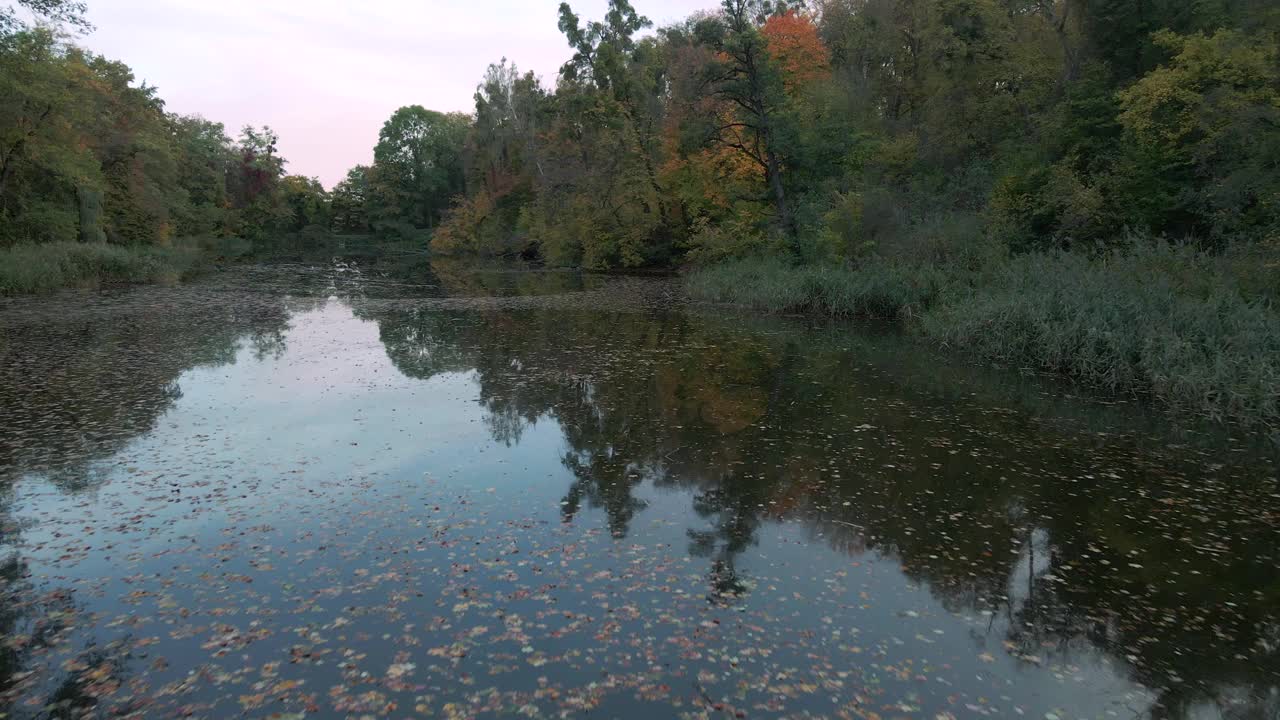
(88, 155)
(349, 202)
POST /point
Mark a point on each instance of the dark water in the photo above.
(321, 492)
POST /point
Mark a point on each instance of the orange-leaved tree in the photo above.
(796, 48)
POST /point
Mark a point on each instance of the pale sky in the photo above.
(325, 74)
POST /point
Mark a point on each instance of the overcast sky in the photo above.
(327, 73)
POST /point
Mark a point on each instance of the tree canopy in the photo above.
(825, 130)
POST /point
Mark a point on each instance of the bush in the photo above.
(51, 266)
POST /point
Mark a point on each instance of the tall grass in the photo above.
(886, 290)
(1197, 332)
(1158, 321)
(51, 266)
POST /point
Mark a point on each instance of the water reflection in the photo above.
(75, 392)
(78, 383)
(1066, 538)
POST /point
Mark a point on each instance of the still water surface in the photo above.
(319, 492)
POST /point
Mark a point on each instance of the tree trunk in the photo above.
(774, 170)
(90, 206)
(649, 170)
(10, 164)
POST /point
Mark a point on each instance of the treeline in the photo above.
(839, 128)
(828, 130)
(87, 155)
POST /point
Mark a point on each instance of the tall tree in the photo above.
(743, 74)
(418, 163)
(608, 57)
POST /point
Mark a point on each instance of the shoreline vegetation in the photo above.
(1089, 187)
(1198, 332)
(33, 269)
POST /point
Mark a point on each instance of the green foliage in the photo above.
(306, 201)
(87, 154)
(1211, 119)
(417, 168)
(349, 202)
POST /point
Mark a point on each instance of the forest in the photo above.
(1085, 186)
(827, 131)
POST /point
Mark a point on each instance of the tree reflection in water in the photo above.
(983, 486)
(74, 394)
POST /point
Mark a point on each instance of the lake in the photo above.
(334, 490)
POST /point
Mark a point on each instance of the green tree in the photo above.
(70, 13)
(205, 155)
(418, 166)
(349, 211)
(42, 158)
(1209, 120)
(502, 145)
(307, 202)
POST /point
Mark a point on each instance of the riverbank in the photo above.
(1197, 332)
(29, 269)
(41, 268)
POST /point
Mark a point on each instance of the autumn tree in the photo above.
(743, 74)
(797, 50)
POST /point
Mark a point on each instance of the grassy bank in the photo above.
(37, 268)
(28, 269)
(1200, 333)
